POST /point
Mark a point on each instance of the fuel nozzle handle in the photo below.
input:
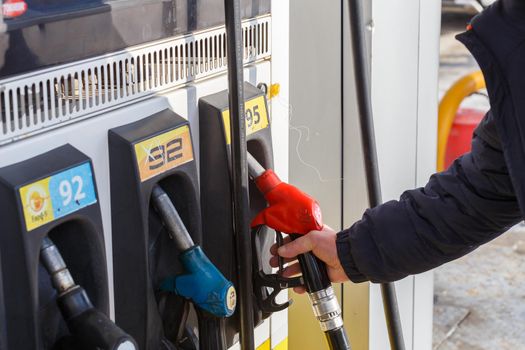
(88, 325)
(202, 282)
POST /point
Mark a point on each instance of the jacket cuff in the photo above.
(344, 252)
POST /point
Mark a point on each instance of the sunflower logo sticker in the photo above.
(37, 198)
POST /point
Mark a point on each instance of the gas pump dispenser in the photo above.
(52, 236)
(215, 183)
(216, 198)
(3, 337)
(159, 266)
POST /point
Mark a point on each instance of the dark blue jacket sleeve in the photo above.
(469, 204)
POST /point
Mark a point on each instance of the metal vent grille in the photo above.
(37, 101)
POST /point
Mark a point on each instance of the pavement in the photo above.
(480, 298)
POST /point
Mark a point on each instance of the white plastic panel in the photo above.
(404, 67)
(280, 122)
(315, 132)
(430, 25)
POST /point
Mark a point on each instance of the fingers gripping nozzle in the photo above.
(90, 326)
(202, 282)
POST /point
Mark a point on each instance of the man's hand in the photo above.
(321, 244)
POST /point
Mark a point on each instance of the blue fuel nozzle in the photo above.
(203, 283)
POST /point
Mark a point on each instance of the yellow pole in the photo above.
(449, 106)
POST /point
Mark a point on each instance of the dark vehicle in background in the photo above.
(471, 6)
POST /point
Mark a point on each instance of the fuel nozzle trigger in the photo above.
(275, 281)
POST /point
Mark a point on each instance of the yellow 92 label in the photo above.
(256, 117)
(163, 152)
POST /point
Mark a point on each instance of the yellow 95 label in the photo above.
(256, 117)
(163, 152)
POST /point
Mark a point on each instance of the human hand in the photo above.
(321, 244)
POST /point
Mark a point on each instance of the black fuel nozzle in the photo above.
(90, 327)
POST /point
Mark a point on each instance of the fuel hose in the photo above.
(362, 85)
(241, 205)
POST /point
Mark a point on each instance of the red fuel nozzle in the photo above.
(290, 210)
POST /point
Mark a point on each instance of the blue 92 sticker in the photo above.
(72, 190)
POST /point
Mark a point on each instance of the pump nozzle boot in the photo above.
(91, 328)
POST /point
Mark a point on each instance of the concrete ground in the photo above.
(480, 298)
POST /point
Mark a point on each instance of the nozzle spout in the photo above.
(171, 219)
(255, 169)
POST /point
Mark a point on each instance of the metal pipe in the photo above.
(55, 265)
(173, 222)
(241, 205)
(361, 73)
(255, 169)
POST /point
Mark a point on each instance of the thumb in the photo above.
(298, 246)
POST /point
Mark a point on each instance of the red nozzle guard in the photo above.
(267, 181)
(290, 210)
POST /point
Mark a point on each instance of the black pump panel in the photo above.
(55, 195)
(3, 333)
(154, 150)
(215, 177)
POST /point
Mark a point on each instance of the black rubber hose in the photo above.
(316, 280)
(362, 85)
(314, 273)
(212, 332)
(337, 339)
(241, 205)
